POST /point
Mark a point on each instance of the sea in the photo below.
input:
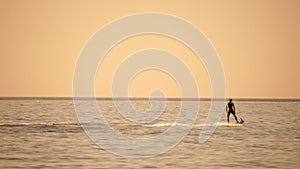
(46, 133)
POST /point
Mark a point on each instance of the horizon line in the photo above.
(145, 98)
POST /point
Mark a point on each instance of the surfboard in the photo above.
(229, 124)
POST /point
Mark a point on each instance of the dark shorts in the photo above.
(231, 111)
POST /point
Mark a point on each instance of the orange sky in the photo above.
(258, 42)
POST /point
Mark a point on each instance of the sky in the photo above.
(258, 43)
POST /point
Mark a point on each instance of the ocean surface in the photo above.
(45, 133)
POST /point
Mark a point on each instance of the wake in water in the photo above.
(121, 124)
(194, 125)
(38, 124)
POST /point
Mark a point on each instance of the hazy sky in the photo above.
(258, 42)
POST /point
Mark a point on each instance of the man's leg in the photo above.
(235, 117)
(228, 114)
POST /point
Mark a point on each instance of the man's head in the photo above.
(230, 100)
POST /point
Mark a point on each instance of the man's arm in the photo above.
(226, 108)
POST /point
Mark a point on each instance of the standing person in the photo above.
(230, 109)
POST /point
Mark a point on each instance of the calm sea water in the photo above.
(44, 133)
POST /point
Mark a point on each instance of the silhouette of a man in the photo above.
(230, 109)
